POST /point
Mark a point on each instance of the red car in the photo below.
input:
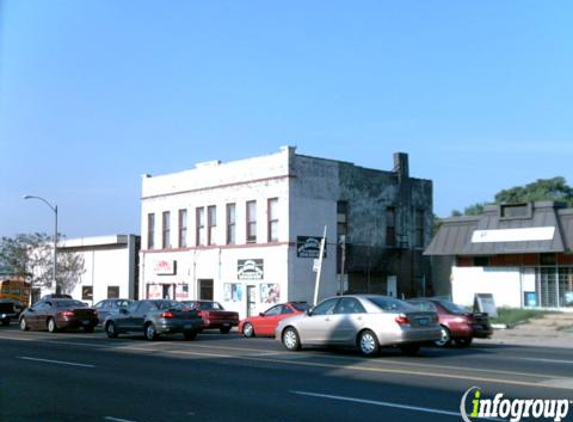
(265, 323)
(458, 324)
(214, 315)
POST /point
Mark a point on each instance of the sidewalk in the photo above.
(553, 330)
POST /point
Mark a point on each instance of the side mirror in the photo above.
(309, 312)
(123, 311)
(261, 314)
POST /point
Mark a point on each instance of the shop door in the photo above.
(205, 289)
(251, 301)
(391, 286)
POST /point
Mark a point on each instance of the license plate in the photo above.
(424, 321)
(226, 324)
(188, 327)
(86, 322)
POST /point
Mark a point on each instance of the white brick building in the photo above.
(236, 232)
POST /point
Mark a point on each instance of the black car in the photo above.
(154, 318)
(9, 309)
(106, 307)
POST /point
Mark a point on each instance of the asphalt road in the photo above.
(87, 377)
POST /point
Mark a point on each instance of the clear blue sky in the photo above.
(95, 93)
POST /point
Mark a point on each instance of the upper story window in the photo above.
(515, 211)
(231, 224)
(342, 218)
(166, 232)
(211, 224)
(200, 237)
(391, 226)
(419, 224)
(273, 220)
(182, 228)
(150, 231)
(251, 221)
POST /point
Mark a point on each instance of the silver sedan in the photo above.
(364, 321)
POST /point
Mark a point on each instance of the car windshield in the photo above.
(205, 306)
(391, 304)
(168, 304)
(302, 306)
(424, 306)
(453, 308)
(69, 304)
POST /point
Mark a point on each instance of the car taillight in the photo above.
(167, 314)
(402, 320)
(67, 313)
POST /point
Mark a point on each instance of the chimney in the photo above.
(401, 165)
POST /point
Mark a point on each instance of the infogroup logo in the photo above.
(514, 409)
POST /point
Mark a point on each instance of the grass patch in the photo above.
(512, 316)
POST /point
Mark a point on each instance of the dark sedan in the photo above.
(106, 307)
(154, 318)
(58, 314)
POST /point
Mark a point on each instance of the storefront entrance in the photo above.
(552, 288)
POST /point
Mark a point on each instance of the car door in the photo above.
(123, 319)
(347, 320)
(139, 316)
(268, 321)
(315, 326)
(32, 315)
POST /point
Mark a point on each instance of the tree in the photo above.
(30, 256)
(555, 189)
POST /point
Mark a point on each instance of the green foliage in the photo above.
(555, 189)
(30, 256)
(513, 316)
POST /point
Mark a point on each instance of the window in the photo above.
(212, 224)
(515, 211)
(200, 222)
(391, 226)
(150, 231)
(166, 233)
(182, 228)
(273, 223)
(252, 222)
(231, 224)
(342, 218)
(419, 222)
(87, 292)
(326, 307)
(112, 292)
(349, 305)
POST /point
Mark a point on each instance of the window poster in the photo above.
(232, 292)
(270, 293)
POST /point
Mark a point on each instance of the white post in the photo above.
(320, 259)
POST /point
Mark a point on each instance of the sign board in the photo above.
(250, 269)
(308, 247)
(514, 235)
(484, 302)
(165, 267)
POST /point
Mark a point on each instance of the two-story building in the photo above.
(246, 233)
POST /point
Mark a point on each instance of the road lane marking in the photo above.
(384, 404)
(58, 362)
(567, 362)
(112, 419)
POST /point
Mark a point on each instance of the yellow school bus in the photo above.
(16, 289)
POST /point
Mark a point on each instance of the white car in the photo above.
(364, 321)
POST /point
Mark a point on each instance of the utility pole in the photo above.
(319, 269)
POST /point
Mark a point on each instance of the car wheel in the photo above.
(190, 335)
(368, 343)
(150, 332)
(291, 340)
(248, 330)
(110, 330)
(225, 330)
(445, 337)
(24, 324)
(464, 342)
(52, 327)
(410, 349)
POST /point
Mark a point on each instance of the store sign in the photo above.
(514, 235)
(165, 267)
(309, 247)
(250, 269)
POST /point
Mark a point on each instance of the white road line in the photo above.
(111, 418)
(58, 362)
(384, 404)
(567, 362)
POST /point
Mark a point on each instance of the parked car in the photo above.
(56, 296)
(9, 309)
(58, 314)
(363, 321)
(266, 322)
(214, 315)
(154, 318)
(458, 325)
(109, 306)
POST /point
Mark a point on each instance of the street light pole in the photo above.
(54, 208)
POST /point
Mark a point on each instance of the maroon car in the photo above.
(214, 315)
(459, 326)
(58, 314)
